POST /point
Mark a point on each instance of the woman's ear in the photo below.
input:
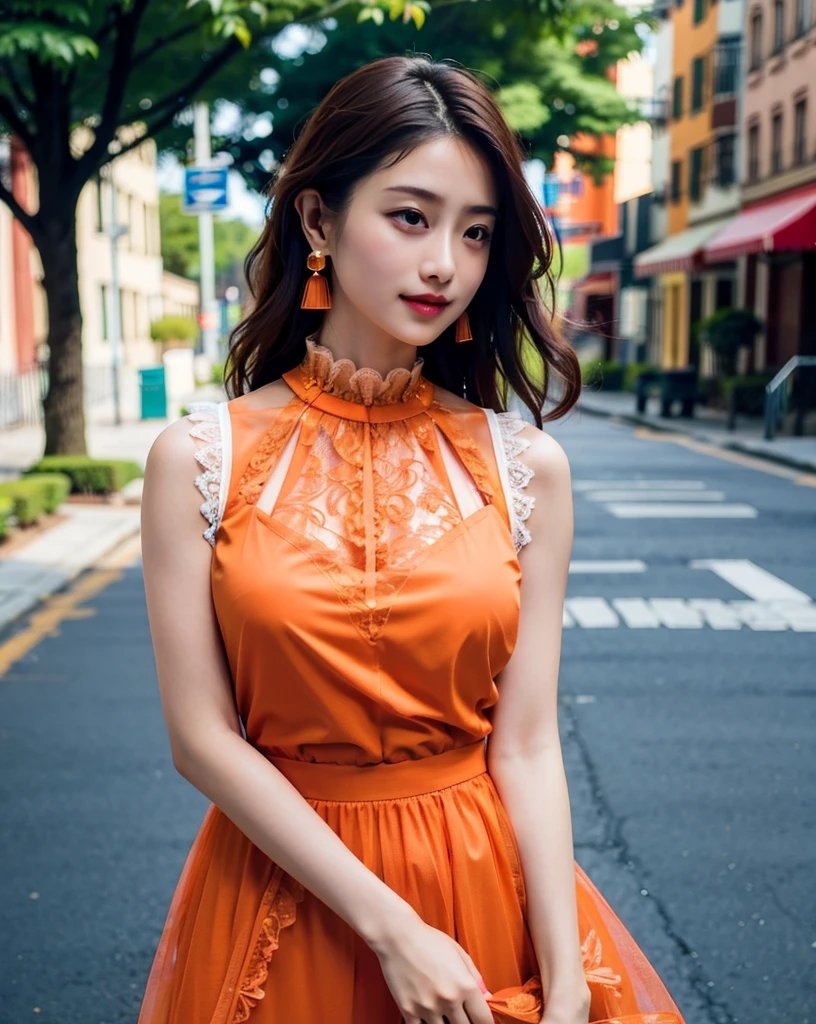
(313, 219)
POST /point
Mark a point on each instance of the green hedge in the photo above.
(633, 370)
(97, 476)
(33, 496)
(57, 487)
(603, 373)
(6, 512)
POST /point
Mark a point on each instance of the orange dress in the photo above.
(366, 582)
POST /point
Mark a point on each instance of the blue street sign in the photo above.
(205, 189)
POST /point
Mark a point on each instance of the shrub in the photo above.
(632, 371)
(89, 475)
(174, 328)
(606, 374)
(6, 512)
(726, 332)
(28, 498)
(747, 393)
(56, 487)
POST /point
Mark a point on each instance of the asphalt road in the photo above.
(689, 748)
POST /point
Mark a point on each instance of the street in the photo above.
(687, 701)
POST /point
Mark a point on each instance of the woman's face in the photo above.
(422, 226)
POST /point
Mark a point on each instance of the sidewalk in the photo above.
(51, 560)
(706, 425)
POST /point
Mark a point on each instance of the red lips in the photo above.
(439, 300)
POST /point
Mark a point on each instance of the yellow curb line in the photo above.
(64, 606)
(740, 458)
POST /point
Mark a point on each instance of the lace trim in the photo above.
(209, 456)
(343, 379)
(282, 895)
(510, 423)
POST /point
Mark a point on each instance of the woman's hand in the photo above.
(431, 977)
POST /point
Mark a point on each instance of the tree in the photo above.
(179, 242)
(551, 68)
(83, 81)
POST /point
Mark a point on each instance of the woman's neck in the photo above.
(382, 353)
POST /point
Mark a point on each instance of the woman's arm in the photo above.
(524, 749)
(202, 721)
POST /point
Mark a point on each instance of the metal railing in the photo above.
(22, 394)
(777, 397)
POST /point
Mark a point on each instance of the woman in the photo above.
(330, 665)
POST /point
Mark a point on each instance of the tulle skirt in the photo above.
(244, 941)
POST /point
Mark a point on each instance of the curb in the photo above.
(743, 447)
(51, 578)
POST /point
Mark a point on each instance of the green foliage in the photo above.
(29, 498)
(89, 475)
(6, 513)
(535, 57)
(179, 241)
(174, 328)
(56, 488)
(727, 331)
(602, 374)
(632, 371)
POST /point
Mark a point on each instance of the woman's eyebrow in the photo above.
(424, 193)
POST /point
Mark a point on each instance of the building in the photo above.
(773, 239)
(699, 115)
(130, 185)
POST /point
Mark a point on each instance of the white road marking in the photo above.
(608, 566)
(636, 612)
(592, 612)
(718, 614)
(682, 511)
(642, 495)
(676, 613)
(751, 579)
(640, 484)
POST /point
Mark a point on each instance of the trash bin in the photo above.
(153, 393)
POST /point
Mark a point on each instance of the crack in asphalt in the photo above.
(616, 844)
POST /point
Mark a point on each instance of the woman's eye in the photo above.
(485, 237)
(409, 213)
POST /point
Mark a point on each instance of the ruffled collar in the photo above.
(343, 379)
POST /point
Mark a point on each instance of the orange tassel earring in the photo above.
(463, 328)
(316, 294)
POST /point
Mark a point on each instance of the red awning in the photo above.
(787, 223)
(596, 284)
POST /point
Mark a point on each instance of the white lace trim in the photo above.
(207, 427)
(519, 474)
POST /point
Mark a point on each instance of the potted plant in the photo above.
(726, 332)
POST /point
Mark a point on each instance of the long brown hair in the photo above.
(369, 120)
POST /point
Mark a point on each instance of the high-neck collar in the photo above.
(364, 385)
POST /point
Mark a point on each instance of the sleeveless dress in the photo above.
(366, 582)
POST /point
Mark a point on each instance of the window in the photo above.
(723, 293)
(699, 11)
(695, 174)
(677, 98)
(753, 153)
(756, 40)
(726, 67)
(100, 217)
(776, 142)
(779, 25)
(725, 152)
(676, 180)
(800, 132)
(697, 83)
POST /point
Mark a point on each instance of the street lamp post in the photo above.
(114, 231)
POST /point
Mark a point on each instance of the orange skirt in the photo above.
(244, 941)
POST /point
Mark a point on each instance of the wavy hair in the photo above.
(369, 120)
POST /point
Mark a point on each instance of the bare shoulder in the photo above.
(545, 457)
(274, 395)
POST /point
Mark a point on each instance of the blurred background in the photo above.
(673, 149)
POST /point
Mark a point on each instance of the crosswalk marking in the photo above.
(694, 613)
(621, 565)
(635, 494)
(751, 579)
(681, 511)
(639, 484)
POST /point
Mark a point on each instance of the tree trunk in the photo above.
(63, 406)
